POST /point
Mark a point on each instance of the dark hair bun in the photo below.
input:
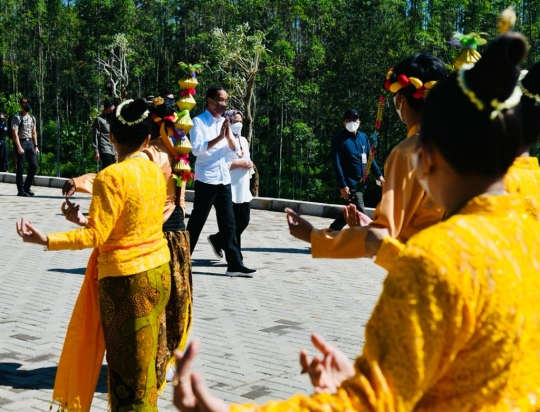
(495, 75)
(471, 139)
(134, 110)
(167, 108)
(423, 66)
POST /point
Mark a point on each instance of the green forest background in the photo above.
(292, 66)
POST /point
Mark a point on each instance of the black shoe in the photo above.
(242, 271)
(22, 193)
(29, 192)
(218, 252)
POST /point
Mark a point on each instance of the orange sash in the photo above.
(84, 348)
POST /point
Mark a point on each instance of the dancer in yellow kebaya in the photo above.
(456, 326)
(404, 208)
(127, 281)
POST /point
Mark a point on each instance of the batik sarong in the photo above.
(132, 309)
(176, 324)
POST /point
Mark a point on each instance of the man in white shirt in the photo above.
(212, 142)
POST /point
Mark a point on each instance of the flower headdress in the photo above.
(144, 115)
(497, 105)
(395, 82)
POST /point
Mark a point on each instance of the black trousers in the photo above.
(107, 159)
(4, 164)
(220, 197)
(357, 198)
(242, 213)
(30, 155)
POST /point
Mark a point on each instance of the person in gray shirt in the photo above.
(103, 148)
(23, 129)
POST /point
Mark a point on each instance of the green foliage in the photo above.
(294, 65)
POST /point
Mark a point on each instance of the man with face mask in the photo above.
(213, 142)
(350, 153)
(103, 148)
(23, 129)
(4, 165)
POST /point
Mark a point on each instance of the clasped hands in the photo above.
(190, 394)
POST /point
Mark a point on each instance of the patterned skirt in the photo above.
(175, 326)
(131, 309)
(145, 318)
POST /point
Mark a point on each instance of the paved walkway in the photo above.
(251, 330)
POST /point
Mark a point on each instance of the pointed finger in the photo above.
(304, 360)
(321, 344)
(183, 364)
(183, 392)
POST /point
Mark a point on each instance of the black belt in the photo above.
(24, 140)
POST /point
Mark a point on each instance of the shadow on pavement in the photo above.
(208, 262)
(277, 250)
(40, 378)
(222, 275)
(74, 271)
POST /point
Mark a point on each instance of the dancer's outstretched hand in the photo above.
(326, 374)
(354, 217)
(190, 392)
(69, 187)
(30, 233)
(72, 213)
(299, 227)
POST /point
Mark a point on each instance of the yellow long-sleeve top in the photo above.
(523, 177)
(125, 219)
(158, 153)
(404, 209)
(457, 325)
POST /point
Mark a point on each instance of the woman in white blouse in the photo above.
(241, 170)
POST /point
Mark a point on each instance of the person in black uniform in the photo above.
(350, 154)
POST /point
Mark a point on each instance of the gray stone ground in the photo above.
(251, 330)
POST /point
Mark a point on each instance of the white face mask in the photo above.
(352, 126)
(398, 110)
(236, 128)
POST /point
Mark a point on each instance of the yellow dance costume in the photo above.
(124, 293)
(457, 325)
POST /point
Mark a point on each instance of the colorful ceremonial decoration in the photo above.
(175, 127)
(374, 137)
(469, 43)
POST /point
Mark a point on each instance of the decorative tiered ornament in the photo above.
(183, 123)
(469, 43)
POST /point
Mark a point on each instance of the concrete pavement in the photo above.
(251, 330)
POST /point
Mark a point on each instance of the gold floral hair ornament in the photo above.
(158, 101)
(497, 105)
(144, 115)
(535, 97)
